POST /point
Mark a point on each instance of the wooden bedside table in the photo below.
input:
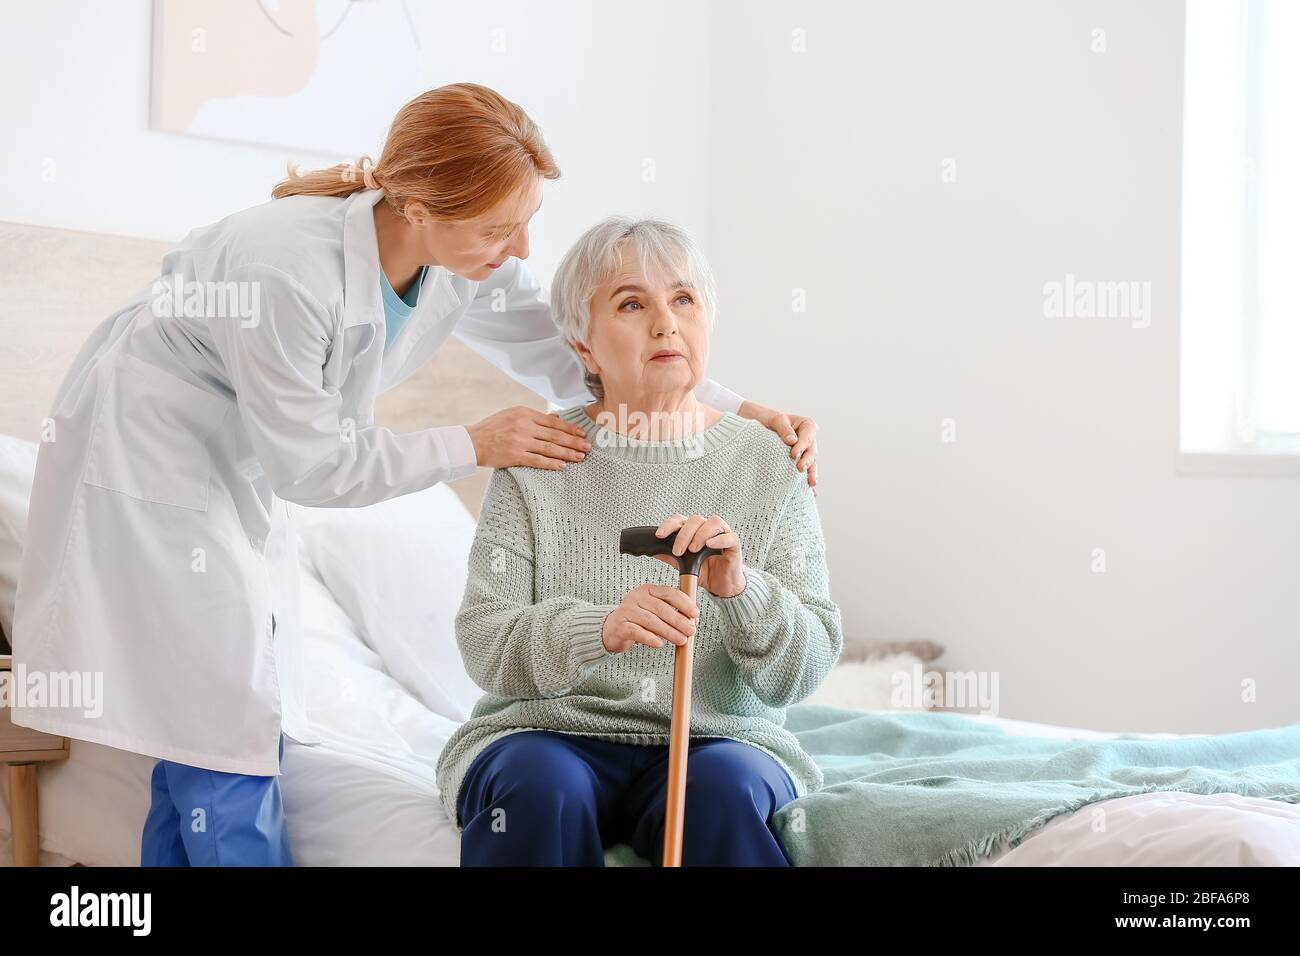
(21, 751)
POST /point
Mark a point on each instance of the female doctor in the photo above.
(161, 553)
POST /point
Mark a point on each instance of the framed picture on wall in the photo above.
(321, 76)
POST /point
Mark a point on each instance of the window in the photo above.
(1240, 331)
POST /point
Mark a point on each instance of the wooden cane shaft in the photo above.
(679, 742)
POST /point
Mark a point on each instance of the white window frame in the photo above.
(1221, 312)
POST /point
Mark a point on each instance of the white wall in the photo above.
(609, 83)
(821, 171)
(925, 302)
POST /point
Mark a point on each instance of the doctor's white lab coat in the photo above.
(161, 556)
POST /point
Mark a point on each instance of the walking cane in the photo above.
(641, 541)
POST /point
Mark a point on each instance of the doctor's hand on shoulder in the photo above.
(798, 431)
(524, 436)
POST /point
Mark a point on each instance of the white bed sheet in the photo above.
(367, 793)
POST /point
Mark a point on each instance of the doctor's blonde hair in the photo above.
(459, 149)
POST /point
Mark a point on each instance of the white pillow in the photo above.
(17, 465)
(398, 569)
(866, 685)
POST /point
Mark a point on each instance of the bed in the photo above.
(386, 685)
(384, 704)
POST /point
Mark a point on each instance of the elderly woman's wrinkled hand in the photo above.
(722, 575)
(650, 614)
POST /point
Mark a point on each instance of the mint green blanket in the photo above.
(931, 789)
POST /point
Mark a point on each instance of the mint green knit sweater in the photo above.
(545, 570)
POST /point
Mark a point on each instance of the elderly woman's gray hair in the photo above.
(662, 249)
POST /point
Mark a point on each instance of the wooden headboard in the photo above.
(57, 285)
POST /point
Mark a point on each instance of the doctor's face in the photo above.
(473, 248)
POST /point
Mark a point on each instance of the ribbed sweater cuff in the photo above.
(747, 606)
(586, 645)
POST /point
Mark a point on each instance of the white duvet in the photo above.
(381, 586)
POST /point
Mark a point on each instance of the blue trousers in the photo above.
(544, 798)
(209, 818)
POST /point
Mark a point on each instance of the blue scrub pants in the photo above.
(209, 818)
(544, 798)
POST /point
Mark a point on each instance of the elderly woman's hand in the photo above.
(650, 614)
(797, 431)
(723, 575)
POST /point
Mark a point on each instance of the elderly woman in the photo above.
(567, 752)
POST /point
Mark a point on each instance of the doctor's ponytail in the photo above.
(460, 150)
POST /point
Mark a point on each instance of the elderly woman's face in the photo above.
(649, 334)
